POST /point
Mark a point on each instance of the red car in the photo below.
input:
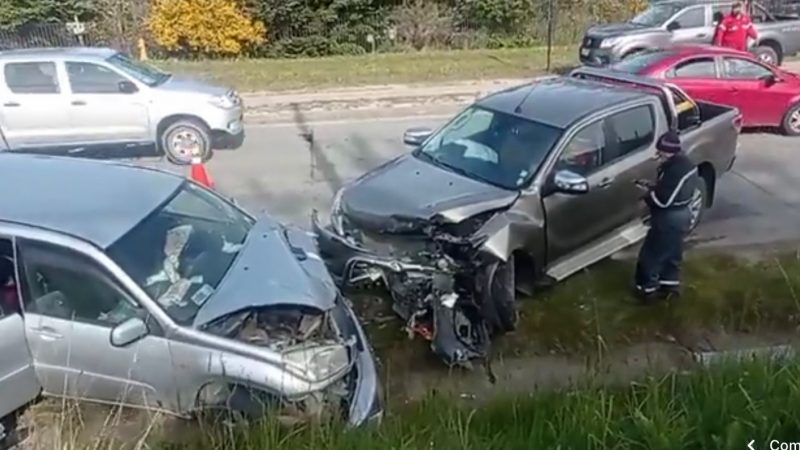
(767, 96)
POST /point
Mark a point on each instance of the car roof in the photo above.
(685, 3)
(559, 101)
(97, 201)
(57, 53)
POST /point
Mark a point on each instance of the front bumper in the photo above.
(596, 57)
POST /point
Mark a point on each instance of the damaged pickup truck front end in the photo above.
(443, 259)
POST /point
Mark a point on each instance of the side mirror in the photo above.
(769, 80)
(416, 136)
(672, 26)
(569, 182)
(128, 332)
(126, 87)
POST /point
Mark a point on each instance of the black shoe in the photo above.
(644, 297)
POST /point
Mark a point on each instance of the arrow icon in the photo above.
(750, 445)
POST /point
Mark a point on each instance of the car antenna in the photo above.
(518, 109)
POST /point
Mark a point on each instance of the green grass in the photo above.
(720, 408)
(342, 71)
(594, 312)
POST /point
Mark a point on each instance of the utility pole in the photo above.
(550, 18)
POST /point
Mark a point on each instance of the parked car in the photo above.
(527, 185)
(140, 288)
(767, 96)
(81, 97)
(670, 22)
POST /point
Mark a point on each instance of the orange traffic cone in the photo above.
(199, 173)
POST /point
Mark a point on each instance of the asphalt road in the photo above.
(758, 203)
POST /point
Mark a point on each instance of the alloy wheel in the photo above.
(696, 207)
(186, 143)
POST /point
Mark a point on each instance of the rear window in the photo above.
(637, 63)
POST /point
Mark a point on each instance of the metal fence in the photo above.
(39, 35)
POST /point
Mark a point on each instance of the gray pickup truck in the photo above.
(671, 22)
(527, 185)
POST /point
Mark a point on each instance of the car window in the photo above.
(584, 152)
(31, 78)
(695, 68)
(742, 69)
(9, 301)
(88, 78)
(64, 284)
(629, 131)
(691, 18)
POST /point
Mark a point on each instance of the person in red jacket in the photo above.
(734, 29)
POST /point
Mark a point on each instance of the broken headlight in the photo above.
(320, 363)
(337, 222)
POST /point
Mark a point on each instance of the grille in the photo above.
(589, 42)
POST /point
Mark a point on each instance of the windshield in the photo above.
(655, 15)
(180, 252)
(497, 148)
(148, 75)
(636, 63)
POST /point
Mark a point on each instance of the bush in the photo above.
(209, 27)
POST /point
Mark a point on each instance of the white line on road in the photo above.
(351, 121)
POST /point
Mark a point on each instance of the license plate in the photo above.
(584, 52)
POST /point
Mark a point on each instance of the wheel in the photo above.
(767, 54)
(184, 139)
(697, 206)
(790, 125)
(502, 294)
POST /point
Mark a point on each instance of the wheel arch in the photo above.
(165, 122)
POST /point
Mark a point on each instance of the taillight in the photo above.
(737, 122)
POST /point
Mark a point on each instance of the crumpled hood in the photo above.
(610, 30)
(180, 84)
(407, 190)
(277, 266)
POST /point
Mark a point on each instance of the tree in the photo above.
(204, 26)
(14, 13)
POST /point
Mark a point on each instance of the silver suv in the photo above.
(83, 97)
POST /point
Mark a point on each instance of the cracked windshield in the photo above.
(290, 224)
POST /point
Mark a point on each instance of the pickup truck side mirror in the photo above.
(672, 26)
(569, 182)
(414, 137)
(126, 87)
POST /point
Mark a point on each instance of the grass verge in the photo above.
(342, 71)
(721, 408)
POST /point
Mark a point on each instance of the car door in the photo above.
(692, 26)
(698, 76)
(72, 304)
(761, 102)
(33, 106)
(611, 153)
(104, 105)
(18, 383)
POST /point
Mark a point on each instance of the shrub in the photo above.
(421, 24)
(219, 27)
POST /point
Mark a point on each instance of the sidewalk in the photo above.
(389, 99)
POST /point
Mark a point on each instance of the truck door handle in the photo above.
(78, 102)
(48, 334)
(701, 35)
(11, 104)
(604, 183)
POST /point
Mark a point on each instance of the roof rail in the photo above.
(609, 76)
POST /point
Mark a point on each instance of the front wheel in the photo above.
(790, 125)
(186, 139)
(502, 296)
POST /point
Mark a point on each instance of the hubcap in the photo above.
(794, 121)
(696, 206)
(185, 143)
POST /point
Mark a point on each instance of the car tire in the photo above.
(767, 54)
(182, 138)
(502, 294)
(698, 204)
(790, 125)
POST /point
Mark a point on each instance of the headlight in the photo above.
(606, 43)
(336, 213)
(223, 101)
(320, 363)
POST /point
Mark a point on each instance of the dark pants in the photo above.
(661, 255)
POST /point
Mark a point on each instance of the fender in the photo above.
(508, 232)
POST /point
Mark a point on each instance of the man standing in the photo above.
(734, 29)
(658, 268)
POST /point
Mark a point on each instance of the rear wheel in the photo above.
(790, 125)
(767, 54)
(697, 206)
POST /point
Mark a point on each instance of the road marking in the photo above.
(351, 121)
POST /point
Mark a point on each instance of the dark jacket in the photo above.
(677, 180)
